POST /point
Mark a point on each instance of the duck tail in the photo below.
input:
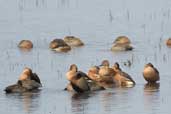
(8, 90)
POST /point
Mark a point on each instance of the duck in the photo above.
(59, 45)
(121, 47)
(121, 78)
(25, 45)
(122, 43)
(73, 41)
(106, 75)
(101, 80)
(79, 81)
(168, 42)
(122, 40)
(27, 81)
(105, 69)
(28, 74)
(15, 88)
(22, 86)
(150, 73)
(93, 73)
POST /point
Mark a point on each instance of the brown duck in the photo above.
(25, 45)
(79, 81)
(121, 78)
(122, 43)
(150, 73)
(59, 45)
(28, 81)
(73, 41)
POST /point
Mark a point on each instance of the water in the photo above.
(97, 23)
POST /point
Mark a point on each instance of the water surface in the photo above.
(147, 23)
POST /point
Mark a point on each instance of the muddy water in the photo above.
(97, 23)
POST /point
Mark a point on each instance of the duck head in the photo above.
(25, 74)
(73, 67)
(148, 65)
(116, 67)
(72, 72)
(105, 63)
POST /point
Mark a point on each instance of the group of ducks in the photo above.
(58, 45)
(103, 76)
(98, 78)
(121, 43)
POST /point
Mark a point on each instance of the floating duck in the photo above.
(28, 81)
(122, 43)
(79, 81)
(121, 78)
(59, 45)
(168, 42)
(150, 73)
(73, 41)
(106, 75)
(25, 45)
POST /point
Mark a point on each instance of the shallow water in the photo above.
(97, 23)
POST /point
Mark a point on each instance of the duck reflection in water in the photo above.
(79, 102)
(29, 100)
(151, 96)
(106, 100)
(151, 87)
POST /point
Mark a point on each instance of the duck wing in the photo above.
(82, 74)
(127, 76)
(35, 77)
(156, 70)
(80, 84)
(77, 88)
(30, 84)
(157, 73)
